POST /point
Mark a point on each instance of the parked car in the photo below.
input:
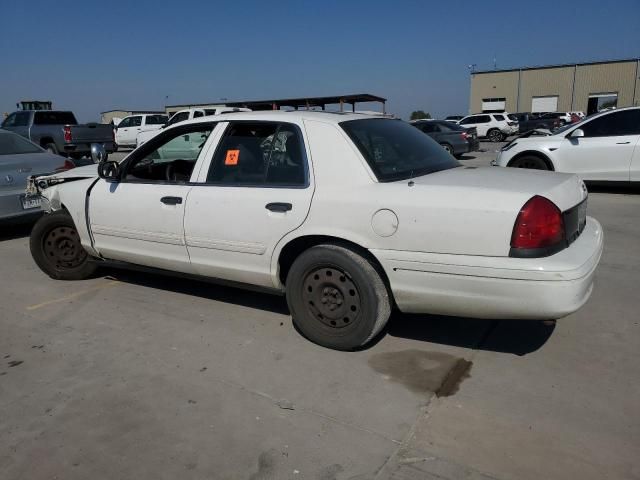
(127, 130)
(59, 132)
(494, 126)
(455, 139)
(20, 158)
(564, 117)
(454, 118)
(345, 214)
(188, 114)
(602, 147)
(531, 121)
(578, 113)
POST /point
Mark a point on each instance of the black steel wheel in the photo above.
(530, 161)
(56, 248)
(337, 298)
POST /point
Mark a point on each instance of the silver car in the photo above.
(20, 158)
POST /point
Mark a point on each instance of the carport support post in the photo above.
(384, 108)
(353, 107)
(341, 105)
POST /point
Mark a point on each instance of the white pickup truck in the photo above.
(127, 131)
(187, 114)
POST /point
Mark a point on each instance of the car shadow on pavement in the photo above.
(630, 189)
(518, 337)
(202, 289)
(466, 156)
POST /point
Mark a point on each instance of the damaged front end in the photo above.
(39, 187)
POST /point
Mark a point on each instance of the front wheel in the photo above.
(530, 161)
(56, 248)
(337, 298)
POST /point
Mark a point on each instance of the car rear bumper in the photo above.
(496, 287)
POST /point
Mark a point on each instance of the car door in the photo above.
(122, 131)
(606, 150)
(139, 218)
(255, 189)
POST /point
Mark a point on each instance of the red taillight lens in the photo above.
(539, 224)
(67, 134)
(68, 165)
(465, 135)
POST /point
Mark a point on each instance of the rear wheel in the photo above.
(337, 298)
(56, 248)
(496, 135)
(51, 147)
(448, 148)
(530, 161)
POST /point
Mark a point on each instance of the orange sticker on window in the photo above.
(232, 157)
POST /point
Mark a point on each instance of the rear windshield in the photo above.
(54, 118)
(396, 150)
(12, 144)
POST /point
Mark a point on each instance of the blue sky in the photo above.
(91, 56)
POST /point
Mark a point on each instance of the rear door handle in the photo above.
(623, 143)
(171, 200)
(278, 207)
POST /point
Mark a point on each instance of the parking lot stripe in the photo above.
(111, 283)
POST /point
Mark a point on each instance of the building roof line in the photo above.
(559, 65)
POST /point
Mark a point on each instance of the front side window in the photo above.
(395, 150)
(259, 153)
(469, 121)
(126, 122)
(9, 121)
(169, 157)
(136, 121)
(626, 122)
(179, 117)
(483, 119)
(12, 144)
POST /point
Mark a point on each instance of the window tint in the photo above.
(469, 121)
(169, 157)
(626, 122)
(156, 120)
(126, 122)
(210, 111)
(136, 121)
(500, 118)
(179, 117)
(54, 118)
(197, 114)
(12, 144)
(395, 150)
(258, 153)
(428, 127)
(22, 119)
(9, 121)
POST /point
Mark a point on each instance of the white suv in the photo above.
(494, 126)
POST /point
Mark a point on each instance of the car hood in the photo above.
(36, 184)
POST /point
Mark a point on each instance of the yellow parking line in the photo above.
(73, 295)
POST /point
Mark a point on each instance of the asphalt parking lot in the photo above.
(131, 375)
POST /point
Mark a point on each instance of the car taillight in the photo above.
(67, 134)
(67, 165)
(539, 225)
(464, 135)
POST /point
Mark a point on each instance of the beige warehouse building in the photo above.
(586, 87)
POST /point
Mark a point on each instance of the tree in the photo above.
(419, 115)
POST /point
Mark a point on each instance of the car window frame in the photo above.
(159, 140)
(213, 150)
(5, 122)
(125, 119)
(605, 118)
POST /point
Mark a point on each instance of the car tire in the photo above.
(529, 161)
(496, 135)
(448, 148)
(51, 147)
(56, 248)
(337, 298)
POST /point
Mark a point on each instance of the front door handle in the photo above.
(623, 143)
(278, 207)
(171, 200)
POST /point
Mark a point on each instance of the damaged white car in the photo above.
(348, 215)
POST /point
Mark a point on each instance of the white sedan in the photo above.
(348, 215)
(603, 148)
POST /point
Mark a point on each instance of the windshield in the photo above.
(12, 144)
(396, 150)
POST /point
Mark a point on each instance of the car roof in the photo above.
(284, 116)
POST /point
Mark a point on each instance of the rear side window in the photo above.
(136, 121)
(197, 114)
(500, 118)
(210, 111)
(626, 122)
(428, 127)
(54, 118)
(12, 144)
(396, 150)
(259, 153)
(156, 119)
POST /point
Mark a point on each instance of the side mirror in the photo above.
(110, 171)
(98, 152)
(577, 133)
